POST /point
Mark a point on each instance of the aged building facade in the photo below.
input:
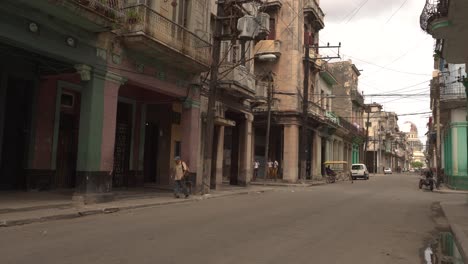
(100, 94)
(447, 23)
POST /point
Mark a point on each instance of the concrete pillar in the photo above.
(190, 135)
(96, 135)
(291, 153)
(245, 158)
(219, 158)
(317, 156)
(3, 86)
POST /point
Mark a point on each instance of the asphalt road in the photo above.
(386, 219)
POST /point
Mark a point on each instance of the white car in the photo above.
(387, 171)
(359, 171)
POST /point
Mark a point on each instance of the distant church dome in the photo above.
(409, 127)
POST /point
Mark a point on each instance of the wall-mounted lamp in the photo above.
(33, 27)
(71, 42)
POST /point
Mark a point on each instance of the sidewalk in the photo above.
(445, 189)
(457, 214)
(280, 183)
(53, 206)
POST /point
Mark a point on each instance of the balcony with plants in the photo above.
(158, 37)
(92, 15)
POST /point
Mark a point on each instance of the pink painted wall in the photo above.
(45, 118)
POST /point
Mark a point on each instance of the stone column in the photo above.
(291, 153)
(317, 156)
(245, 159)
(96, 135)
(190, 143)
(3, 86)
(219, 158)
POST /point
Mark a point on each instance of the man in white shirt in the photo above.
(275, 169)
(256, 165)
(179, 172)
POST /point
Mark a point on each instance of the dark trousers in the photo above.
(179, 187)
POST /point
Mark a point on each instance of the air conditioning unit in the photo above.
(263, 25)
(246, 27)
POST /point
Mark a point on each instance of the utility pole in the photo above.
(210, 115)
(305, 110)
(438, 165)
(375, 154)
(267, 137)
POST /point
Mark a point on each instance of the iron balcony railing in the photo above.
(352, 128)
(432, 10)
(452, 91)
(143, 18)
(357, 96)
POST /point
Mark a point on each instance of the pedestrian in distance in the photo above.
(256, 166)
(179, 173)
(270, 169)
(275, 169)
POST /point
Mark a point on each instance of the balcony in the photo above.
(91, 15)
(452, 95)
(158, 37)
(333, 117)
(357, 97)
(237, 81)
(316, 110)
(272, 4)
(314, 14)
(264, 47)
(434, 18)
(352, 128)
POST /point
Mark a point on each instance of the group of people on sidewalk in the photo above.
(272, 172)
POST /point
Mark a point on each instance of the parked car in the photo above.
(387, 171)
(359, 171)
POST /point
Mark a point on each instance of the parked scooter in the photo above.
(427, 180)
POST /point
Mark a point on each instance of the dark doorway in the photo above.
(16, 133)
(234, 156)
(67, 148)
(151, 153)
(123, 137)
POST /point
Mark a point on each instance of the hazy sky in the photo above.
(384, 33)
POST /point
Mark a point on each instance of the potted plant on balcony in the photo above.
(132, 17)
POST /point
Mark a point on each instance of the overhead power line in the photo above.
(389, 69)
(394, 13)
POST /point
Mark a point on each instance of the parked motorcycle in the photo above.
(427, 181)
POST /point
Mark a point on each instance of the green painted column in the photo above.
(458, 178)
(96, 139)
(91, 120)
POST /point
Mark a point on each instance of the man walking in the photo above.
(179, 171)
(256, 165)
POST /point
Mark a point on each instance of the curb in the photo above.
(460, 238)
(109, 210)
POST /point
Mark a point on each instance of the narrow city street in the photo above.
(384, 220)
